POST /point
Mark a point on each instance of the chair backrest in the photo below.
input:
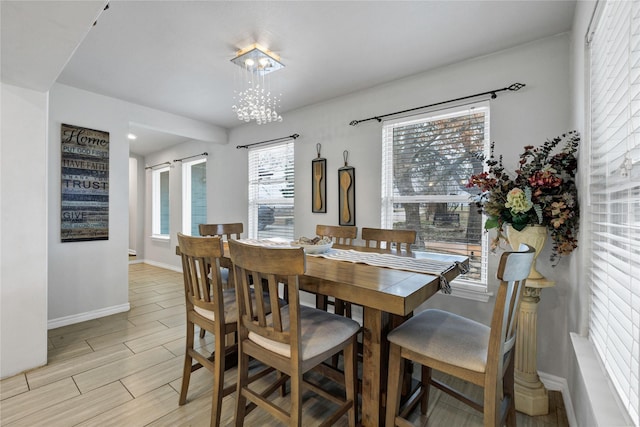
(340, 234)
(375, 237)
(267, 266)
(513, 271)
(202, 289)
(227, 231)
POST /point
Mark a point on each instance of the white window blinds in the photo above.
(271, 191)
(426, 163)
(615, 197)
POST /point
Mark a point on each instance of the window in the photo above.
(160, 209)
(614, 208)
(426, 163)
(194, 196)
(271, 191)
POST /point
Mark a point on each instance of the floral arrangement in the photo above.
(543, 192)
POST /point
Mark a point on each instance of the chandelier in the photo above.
(254, 100)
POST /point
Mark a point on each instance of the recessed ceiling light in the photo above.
(131, 136)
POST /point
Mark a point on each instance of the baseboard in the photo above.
(552, 382)
(132, 252)
(163, 265)
(89, 315)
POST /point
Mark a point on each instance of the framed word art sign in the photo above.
(85, 184)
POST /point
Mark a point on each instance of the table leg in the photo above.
(374, 366)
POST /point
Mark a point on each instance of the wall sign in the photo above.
(85, 184)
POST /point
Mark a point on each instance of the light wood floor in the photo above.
(125, 370)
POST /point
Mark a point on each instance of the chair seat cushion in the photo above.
(320, 331)
(445, 336)
(231, 308)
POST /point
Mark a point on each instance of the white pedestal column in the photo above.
(530, 394)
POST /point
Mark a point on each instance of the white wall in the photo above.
(90, 279)
(23, 230)
(136, 204)
(539, 111)
(133, 205)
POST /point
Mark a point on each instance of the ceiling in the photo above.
(175, 55)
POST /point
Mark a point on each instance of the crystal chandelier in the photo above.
(254, 100)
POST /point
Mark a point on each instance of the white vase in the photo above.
(532, 235)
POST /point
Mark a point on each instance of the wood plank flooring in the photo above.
(125, 370)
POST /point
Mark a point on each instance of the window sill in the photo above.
(600, 398)
(470, 291)
(161, 238)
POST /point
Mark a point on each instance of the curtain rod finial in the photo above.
(516, 86)
(354, 122)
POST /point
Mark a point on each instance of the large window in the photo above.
(426, 163)
(271, 191)
(614, 208)
(160, 200)
(194, 196)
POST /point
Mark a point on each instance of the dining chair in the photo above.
(225, 231)
(387, 239)
(463, 348)
(212, 309)
(341, 235)
(293, 339)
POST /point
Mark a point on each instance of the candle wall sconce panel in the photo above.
(319, 182)
(347, 192)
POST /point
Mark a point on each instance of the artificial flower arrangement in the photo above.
(543, 192)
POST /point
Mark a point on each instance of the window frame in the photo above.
(187, 202)
(612, 154)
(466, 288)
(254, 184)
(156, 207)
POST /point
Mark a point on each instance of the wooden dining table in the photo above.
(381, 292)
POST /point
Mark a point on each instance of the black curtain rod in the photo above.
(514, 87)
(191, 157)
(159, 164)
(284, 138)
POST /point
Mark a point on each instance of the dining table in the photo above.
(386, 295)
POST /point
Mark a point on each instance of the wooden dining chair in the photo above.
(387, 239)
(293, 339)
(225, 231)
(212, 309)
(463, 348)
(341, 235)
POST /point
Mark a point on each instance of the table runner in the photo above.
(418, 265)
